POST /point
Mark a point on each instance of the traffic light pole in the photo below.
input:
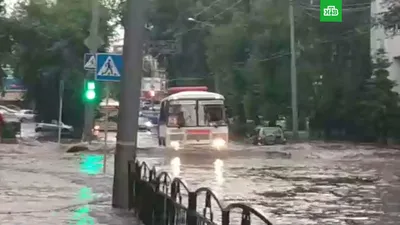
(93, 42)
(129, 100)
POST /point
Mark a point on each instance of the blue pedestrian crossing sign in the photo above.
(89, 62)
(109, 67)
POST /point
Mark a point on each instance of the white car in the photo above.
(53, 126)
(9, 116)
(25, 115)
(9, 110)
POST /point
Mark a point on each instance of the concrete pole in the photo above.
(129, 100)
(293, 74)
(60, 109)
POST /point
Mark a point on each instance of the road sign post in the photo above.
(93, 42)
(106, 127)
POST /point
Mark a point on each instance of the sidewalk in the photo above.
(43, 185)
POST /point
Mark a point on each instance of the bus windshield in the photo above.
(182, 113)
(192, 113)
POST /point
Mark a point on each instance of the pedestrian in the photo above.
(2, 124)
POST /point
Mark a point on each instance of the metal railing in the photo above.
(157, 199)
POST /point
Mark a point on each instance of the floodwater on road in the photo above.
(304, 184)
(297, 184)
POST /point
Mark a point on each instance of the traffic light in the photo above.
(90, 91)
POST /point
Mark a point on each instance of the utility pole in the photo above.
(129, 100)
(93, 42)
(293, 74)
(60, 108)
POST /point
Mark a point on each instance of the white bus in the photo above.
(193, 117)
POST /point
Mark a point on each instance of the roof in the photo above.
(175, 90)
(194, 95)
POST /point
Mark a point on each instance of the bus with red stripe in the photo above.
(193, 117)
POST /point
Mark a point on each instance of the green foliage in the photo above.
(241, 49)
(47, 46)
(390, 18)
(378, 105)
(246, 49)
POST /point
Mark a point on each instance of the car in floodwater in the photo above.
(53, 127)
(267, 136)
(144, 124)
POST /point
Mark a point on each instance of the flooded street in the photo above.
(315, 183)
(302, 183)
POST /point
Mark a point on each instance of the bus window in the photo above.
(212, 115)
(182, 114)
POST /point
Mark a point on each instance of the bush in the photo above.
(11, 129)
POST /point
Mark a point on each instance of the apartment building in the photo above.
(388, 40)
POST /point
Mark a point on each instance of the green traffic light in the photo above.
(90, 91)
(90, 94)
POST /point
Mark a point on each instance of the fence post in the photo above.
(191, 216)
(245, 217)
(225, 217)
(130, 185)
(171, 206)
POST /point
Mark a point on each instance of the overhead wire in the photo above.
(355, 7)
(212, 18)
(206, 8)
(356, 32)
(311, 45)
(223, 11)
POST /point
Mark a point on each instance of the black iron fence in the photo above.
(160, 200)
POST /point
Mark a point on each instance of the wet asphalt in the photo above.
(308, 183)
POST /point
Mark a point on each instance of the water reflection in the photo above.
(219, 171)
(91, 164)
(81, 215)
(176, 166)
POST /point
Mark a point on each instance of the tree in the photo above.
(378, 104)
(247, 50)
(5, 41)
(390, 19)
(48, 46)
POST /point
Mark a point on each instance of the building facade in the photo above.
(388, 40)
